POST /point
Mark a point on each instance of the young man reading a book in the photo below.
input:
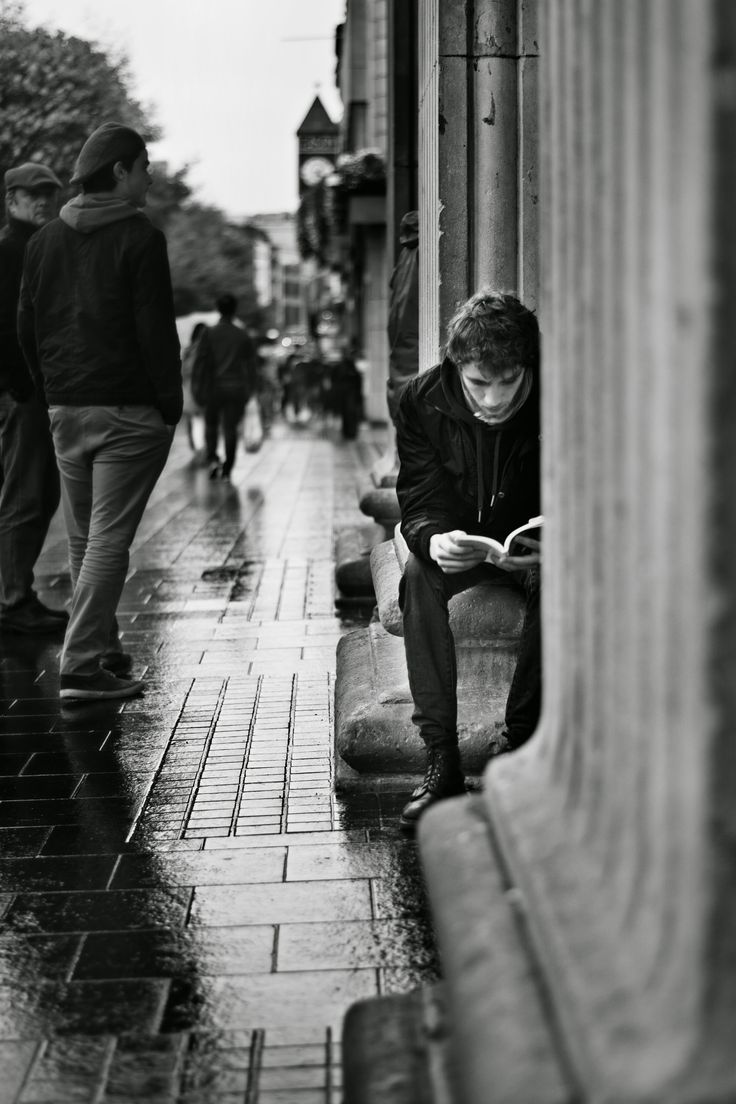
(468, 441)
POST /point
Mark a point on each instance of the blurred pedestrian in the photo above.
(233, 357)
(347, 392)
(29, 479)
(97, 327)
(191, 410)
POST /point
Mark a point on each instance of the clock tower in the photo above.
(318, 137)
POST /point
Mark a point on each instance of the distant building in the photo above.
(289, 314)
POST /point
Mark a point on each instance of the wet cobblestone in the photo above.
(187, 909)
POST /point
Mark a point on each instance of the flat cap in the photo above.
(111, 142)
(31, 175)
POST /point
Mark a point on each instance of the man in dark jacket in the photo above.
(468, 443)
(29, 480)
(234, 363)
(97, 327)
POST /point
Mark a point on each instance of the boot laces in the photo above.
(441, 771)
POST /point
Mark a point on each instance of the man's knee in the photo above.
(419, 577)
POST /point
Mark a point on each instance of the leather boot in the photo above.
(443, 778)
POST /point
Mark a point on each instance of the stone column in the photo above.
(401, 192)
(618, 819)
(477, 156)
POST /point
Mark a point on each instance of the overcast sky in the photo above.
(225, 80)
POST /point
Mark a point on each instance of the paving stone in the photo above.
(165, 953)
(102, 911)
(361, 943)
(276, 903)
(269, 999)
(200, 868)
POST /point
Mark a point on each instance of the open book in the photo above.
(531, 528)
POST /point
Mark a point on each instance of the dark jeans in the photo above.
(29, 494)
(228, 408)
(424, 594)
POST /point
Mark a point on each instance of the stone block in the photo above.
(382, 504)
(376, 742)
(486, 612)
(394, 1049)
(386, 574)
(352, 561)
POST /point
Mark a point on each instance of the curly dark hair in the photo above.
(494, 329)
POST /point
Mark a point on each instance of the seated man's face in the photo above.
(492, 392)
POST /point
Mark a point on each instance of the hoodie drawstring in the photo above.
(481, 478)
(481, 472)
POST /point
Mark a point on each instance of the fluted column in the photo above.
(617, 819)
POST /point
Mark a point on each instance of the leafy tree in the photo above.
(208, 256)
(54, 90)
(168, 193)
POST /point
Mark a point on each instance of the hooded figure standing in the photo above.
(97, 327)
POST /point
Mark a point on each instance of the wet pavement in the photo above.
(188, 908)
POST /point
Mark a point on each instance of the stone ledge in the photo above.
(374, 733)
(502, 1031)
(484, 1033)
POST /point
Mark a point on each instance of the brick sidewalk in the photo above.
(188, 908)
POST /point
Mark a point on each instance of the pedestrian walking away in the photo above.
(96, 324)
(192, 410)
(29, 479)
(230, 356)
(467, 433)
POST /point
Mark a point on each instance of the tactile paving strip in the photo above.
(247, 756)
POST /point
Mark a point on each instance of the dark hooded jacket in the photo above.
(457, 472)
(13, 372)
(96, 317)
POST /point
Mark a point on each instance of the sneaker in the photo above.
(31, 620)
(117, 663)
(98, 687)
(443, 778)
(215, 470)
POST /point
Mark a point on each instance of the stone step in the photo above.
(375, 740)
